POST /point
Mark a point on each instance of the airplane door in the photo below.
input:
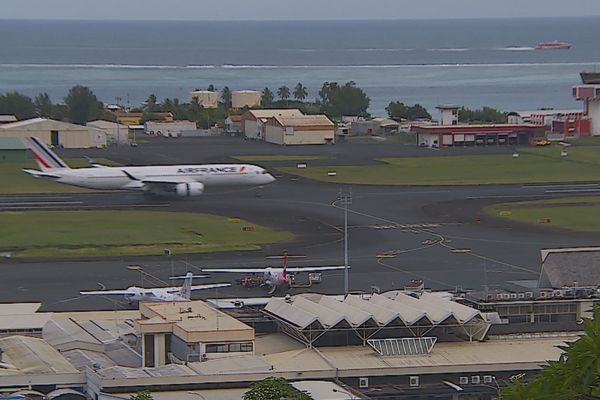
(54, 140)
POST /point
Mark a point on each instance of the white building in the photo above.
(253, 121)
(305, 129)
(168, 129)
(55, 133)
(115, 133)
(245, 98)
(590, 95)
(542, 117)
(448, 114)
(205, 98)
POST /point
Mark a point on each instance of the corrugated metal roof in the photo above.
(288, 112)
(304, 120)
(296, 316)
(570, 267)
(355, 316)
(326, 316)
(19, 308)
(18, 322)
(11, 143)
(381, 315)
(81, 359)
(34, 356)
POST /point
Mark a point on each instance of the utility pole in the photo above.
(345, 198)
(118, 100)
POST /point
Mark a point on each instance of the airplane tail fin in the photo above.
(45, 158)
(186, 288)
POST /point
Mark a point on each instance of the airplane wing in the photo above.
(105, 292)
(158, 181)
(261, 270)
(197, 287)
(210, 286)
(235, 270)
(314, 269)
(162, 184)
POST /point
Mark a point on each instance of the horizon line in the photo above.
(303, 20)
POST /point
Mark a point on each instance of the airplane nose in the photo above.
(270, 178)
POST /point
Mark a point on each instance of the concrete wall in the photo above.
(594, 115)
(13, 156)
(114, 134)
(251, 129)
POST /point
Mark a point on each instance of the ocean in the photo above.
(473, 63)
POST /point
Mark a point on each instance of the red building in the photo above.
(476, 135)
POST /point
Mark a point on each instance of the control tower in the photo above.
(590, 95)
(448, 114)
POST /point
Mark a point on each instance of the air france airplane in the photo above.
(133, 293)
(180, 180)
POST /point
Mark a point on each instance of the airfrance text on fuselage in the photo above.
(212, 170)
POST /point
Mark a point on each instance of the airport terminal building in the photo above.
(394, 344)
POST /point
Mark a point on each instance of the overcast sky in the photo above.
(292, 9)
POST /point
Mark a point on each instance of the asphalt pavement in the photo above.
(437, 234)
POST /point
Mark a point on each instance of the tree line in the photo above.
(81, 105)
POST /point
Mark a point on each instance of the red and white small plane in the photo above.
(274, 278)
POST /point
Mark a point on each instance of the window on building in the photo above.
(229, 347)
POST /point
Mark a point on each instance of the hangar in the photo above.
(305, 129)
(55, 133)
(115, 133)
(320, 320)
(12, 150)
(253, 121)
(476, 135)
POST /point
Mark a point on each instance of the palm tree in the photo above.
(267, 97)
(300, 92)
(151, 104)
(226, 97)
(284, 93)
(574, 376)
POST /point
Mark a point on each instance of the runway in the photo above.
(437, 234)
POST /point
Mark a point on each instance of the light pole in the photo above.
(346, 199)
(118, 100)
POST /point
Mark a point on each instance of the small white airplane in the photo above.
(180, 180)
(274, 278)
(133, 293)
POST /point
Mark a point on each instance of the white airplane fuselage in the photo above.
(275, 278)
(131, 178)
(136, 294)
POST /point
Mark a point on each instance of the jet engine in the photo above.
(189, 189)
